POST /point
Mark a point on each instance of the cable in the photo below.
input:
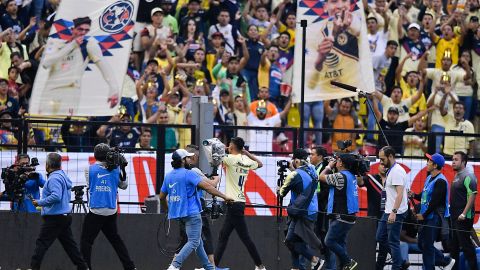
(164, 249)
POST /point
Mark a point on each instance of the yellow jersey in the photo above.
(237, 167)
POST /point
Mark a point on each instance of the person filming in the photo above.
(103, 183)
(342, 206)
(302, 182)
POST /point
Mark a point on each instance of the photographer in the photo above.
(342, 206)
(302, 210)
(237, 165)
(31, 188)
(103, 183)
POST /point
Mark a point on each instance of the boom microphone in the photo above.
(344, 86)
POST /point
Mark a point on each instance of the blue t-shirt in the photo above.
(183, 198)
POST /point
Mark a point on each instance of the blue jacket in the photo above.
(56, 194)
(427, 195)
(103, 186)
(344, 201)
(306, 180)
(32, 187)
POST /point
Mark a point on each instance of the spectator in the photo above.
(240, 113)
(263, 98)
(449, 42)
(457, 124)
(392, 123)
(261, 140)
(8, 132)
(290, 23)
(464, 88)
(255, 51)
(270, 74)
(169, 20)
(436, 74)
(377, 38)
(27, 72)
(119, 135)
(411, 46)
(76, 136)
(170, 136)
(442, 97)
(232, 79)
(10, 18)
(145, 141)
(228, 31)
(405, 10)
(260, 19)
(285, 59)
(343, 116)
(191, 37)
(224, 114)
(39, 37)
(415, 145)
(7, 103)
(193, 11)
(154, 31)
(8, 46)
(395, 100)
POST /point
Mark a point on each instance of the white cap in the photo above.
(181, 154)
(414, 25)
(155, 10)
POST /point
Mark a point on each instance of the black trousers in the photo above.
(57, 227)
(235, 219)
(92, 226)
(461, 239)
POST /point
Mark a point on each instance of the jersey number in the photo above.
(241, 180)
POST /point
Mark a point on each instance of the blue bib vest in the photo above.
(183, 198)
(306, 180)
(349, 191)
(103, 186)
(427, 195)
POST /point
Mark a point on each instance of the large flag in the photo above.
(85, 58)
(336, 49)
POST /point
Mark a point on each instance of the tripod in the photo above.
(78, 205)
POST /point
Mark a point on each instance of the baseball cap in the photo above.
(155, 10)
(393, 109)
(181, 154)
(300, 153)
(414, 25)
(224, 92)
(217, 34)
(474, 19)
(437, 159)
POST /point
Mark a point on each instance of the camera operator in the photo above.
(302, 210)
(318, 159)
(180, 185)
(342, 206)
(192, 163)
(103, 185)
(237, 165)
(31, 187)
(56, 216)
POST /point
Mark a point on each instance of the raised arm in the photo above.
(246, 54)
(252, 157)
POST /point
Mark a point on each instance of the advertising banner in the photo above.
(260, 186)
(337, 49)
(85, 59)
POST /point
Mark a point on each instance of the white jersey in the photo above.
(261, 140)
(67, 63)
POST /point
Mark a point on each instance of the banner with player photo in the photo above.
(336, 49)
(85, 59)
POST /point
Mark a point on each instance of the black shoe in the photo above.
(351, 265)
(405, 265)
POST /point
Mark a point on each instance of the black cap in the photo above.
(474, 19)
(300, 154)
(393, 109)
(82, 20)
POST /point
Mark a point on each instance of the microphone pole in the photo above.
(367, 100)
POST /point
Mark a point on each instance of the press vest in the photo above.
(306, 180)
(103, 186)
(427, 195)
(344, 201)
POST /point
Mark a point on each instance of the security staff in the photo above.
(302, 182)
(180, 185)
(433, 211)
(56, 216)
(462, 210)
(342, 206)
(103, 185)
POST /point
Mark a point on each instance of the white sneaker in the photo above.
(173, 268)
(316, 265)
(261, 267)
(450, 265)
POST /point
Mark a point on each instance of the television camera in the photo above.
(215, 151)
(15, 176)
(362, 163)
(115, 158)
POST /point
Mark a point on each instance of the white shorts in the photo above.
(60, 101)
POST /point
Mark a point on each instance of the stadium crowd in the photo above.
(425, 55)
